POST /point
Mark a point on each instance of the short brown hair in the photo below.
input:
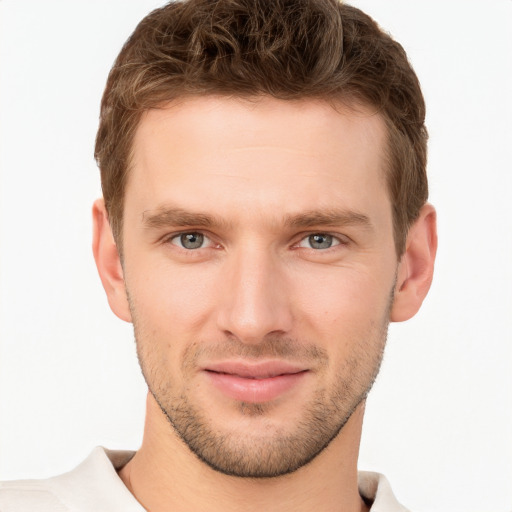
(288, 49)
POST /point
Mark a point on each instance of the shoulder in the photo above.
(33, 495)
(375, 489)
(92, 486)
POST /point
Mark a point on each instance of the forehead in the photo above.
(272, 153)
(219, 119)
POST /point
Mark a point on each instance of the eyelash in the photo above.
(338, 240)
(170, 239)
(335, 239)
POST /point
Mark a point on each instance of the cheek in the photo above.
(170, 298)
(342, 311)
(349, 320)
(343, 294)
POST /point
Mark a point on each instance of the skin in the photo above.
(268, 175)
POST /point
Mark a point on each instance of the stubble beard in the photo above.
(273, 451)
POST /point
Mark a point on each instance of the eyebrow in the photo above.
(329, 217)
(178, 217)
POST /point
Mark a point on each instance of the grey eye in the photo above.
(191, 240)
(320, 241)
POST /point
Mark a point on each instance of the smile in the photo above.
(257, 383)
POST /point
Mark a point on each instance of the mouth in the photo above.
(255, 383)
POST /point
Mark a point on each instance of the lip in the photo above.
(254, 382)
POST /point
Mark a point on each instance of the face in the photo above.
(259, 264)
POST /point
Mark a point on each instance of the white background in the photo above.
(439, 421)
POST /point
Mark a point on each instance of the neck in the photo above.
(165, 475)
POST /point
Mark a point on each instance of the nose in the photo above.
(255, 300)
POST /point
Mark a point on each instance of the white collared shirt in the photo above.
(94, 486)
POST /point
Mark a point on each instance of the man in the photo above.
(263, 219)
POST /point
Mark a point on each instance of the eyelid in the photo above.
(171, 237)
(338, 237)
(305, 243)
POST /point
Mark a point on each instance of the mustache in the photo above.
(270, 347)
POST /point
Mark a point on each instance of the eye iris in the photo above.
(320, 241)
(191, 240)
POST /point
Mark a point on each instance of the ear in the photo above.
(108, 262)
(416, 266)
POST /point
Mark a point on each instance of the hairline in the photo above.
(339, 102)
